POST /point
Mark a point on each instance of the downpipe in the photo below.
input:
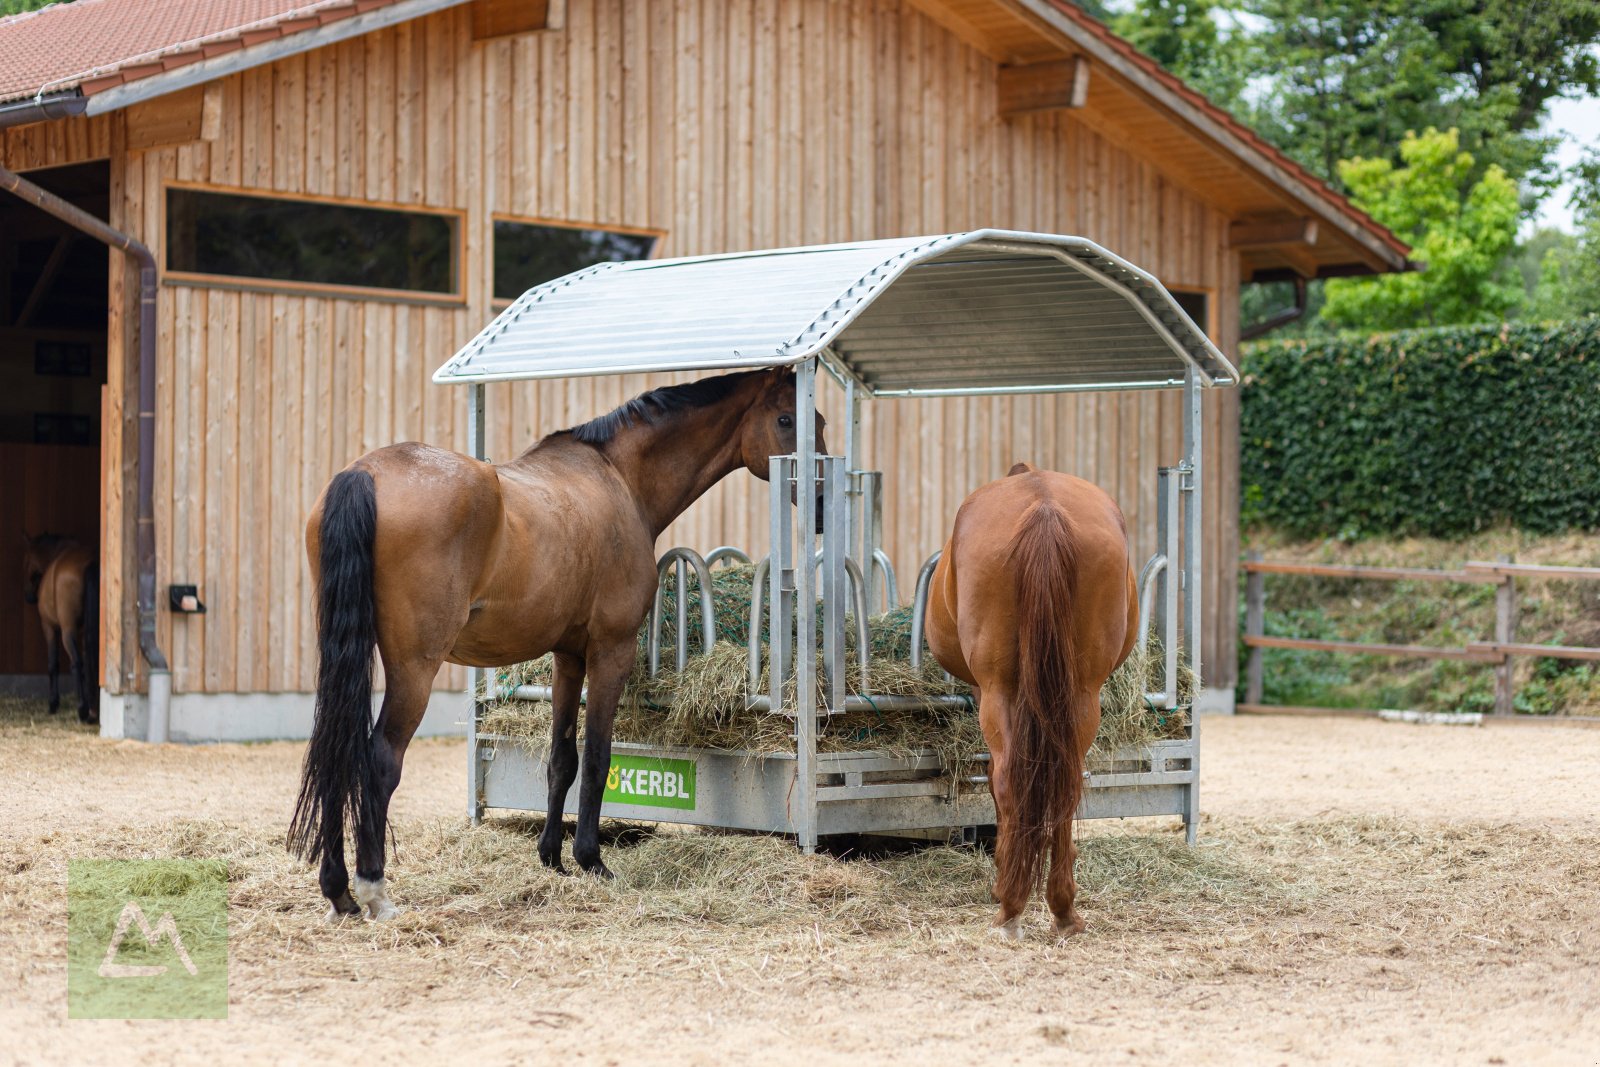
(145, 542)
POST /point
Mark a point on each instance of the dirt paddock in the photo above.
(1363, 893)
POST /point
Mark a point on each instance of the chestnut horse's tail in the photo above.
(340, 776)
(1044, 759)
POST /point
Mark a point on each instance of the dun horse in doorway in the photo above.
(1034, 604)
(63, 579)
(430, 556)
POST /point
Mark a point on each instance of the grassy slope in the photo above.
(1428, 613)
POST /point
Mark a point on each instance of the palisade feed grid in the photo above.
(788, 724)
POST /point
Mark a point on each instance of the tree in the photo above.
(1185, 37)
(16, 7)
(1460, 230)
(1567, 282)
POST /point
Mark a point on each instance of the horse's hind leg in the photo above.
(52, 644)
(71, 640)
(608, 674)
(567, 690)
(1010, 892)
(405, 698)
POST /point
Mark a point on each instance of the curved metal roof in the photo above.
(982, 312)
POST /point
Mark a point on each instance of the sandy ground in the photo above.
(1364, 892)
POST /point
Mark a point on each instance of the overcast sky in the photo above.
(1578, 122)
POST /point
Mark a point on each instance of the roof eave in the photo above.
(1381, 255)
(221, 66)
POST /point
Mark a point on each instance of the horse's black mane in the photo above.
(647, 408)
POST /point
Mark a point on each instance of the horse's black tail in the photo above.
(340, 776)
(89, 628)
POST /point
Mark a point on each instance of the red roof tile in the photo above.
(94, 45)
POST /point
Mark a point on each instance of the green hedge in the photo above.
(1431, 432)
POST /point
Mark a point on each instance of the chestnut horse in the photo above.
(63, 579)
(1034, 604)
(431, 557)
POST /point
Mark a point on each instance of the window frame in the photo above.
(240, 283)
(498, 304)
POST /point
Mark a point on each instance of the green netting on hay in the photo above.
(704, 705)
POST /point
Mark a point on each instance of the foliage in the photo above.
(1566, 274)
(1436, 432)
(1351, 77)
(1184, 37)
(1461, 231)
(16, 7)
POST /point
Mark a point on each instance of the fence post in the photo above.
(1505, 629)
(1255, 610)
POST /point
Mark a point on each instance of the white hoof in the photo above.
(373, 897)
(334, 915)
(1008, 931)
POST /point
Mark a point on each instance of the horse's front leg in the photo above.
(566, 691)
(608, 673)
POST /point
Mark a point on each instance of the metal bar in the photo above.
(725, 552)
(872, 555)
(753, 639)
(834, 509)
(1382, 574)
(680, 558)
(919, 607)
(1194, 515)
(852, 701)
(1417, 651)
(1255, 616)
(891, 586)
(1167, 520)
(805, 596)
(475, 675)
(781, 576)
(681, 615)
(1149, 582)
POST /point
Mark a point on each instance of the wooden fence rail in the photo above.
(1501, 651)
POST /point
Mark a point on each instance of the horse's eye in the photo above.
(786, 421)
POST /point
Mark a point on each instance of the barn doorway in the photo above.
(53, 292)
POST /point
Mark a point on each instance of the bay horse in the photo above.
(1033, 603)
(430, 556)
(62, 578)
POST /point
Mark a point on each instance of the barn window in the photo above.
(1197, 305)
(527, 254)
(311, 242)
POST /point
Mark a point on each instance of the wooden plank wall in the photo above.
(727, 125)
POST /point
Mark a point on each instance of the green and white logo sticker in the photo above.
(651, 782)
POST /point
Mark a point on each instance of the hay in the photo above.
(705, 705)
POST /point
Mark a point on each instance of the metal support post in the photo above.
(475, 445)
(805, 668)
(1194, 514)
(780, 579)
(1255, 618)
(834, 546)
(872, 538)
(1167, 512)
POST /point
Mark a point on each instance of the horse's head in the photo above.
(35, 558)
(768, 429)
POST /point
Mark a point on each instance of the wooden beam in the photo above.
(1267, 233)
(1299, 259)
(502, 18)
(176, 118)
(1053, 86)
(47, 277)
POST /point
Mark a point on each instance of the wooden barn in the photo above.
(337, 194)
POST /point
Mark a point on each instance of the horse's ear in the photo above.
(1020, 468)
